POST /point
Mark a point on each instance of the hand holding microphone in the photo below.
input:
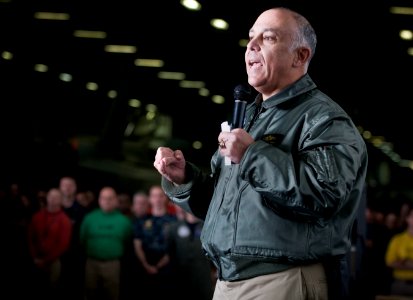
(234, 143)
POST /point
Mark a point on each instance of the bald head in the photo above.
(282, 43)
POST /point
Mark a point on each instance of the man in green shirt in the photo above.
(104, 233)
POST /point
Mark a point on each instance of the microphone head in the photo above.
(242, 92)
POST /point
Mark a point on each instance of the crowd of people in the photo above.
(66, 243)
(53, 247)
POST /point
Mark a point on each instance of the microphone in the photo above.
(242, 94)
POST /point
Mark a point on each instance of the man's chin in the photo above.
(254, 82)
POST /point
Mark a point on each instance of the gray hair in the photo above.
(306, 35)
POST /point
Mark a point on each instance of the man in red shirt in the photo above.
(49, 235)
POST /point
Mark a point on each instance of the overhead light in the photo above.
(41, 68)
(135, 103)
(66, 77)
(120, 49)
(191, 4)
(42, 15)
(7, 55)
(377, 141)
(92, 86)
(112, 94)
(150, 115)
(151, 107)
(171, 75)
(154, 63)
(90, 34)
(401, 10)
(218, 99)
(151, 111)
(219, 24)
(203, 92)
(191, 84)
(367, 134)
(243, 42)
(197, 145)
(406, 35)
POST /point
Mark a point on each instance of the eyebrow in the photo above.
(273, 30)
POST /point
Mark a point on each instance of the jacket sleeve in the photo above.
(195, 195)
(317, 178)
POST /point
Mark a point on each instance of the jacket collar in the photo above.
(301, 86)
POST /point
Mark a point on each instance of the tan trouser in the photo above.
(102, 279)
(299, 283)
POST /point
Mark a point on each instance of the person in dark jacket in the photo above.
(278, 218)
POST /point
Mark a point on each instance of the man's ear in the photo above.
(302, 56)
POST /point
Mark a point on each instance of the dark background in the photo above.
(49, 127)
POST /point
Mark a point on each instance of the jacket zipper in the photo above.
(258, 110)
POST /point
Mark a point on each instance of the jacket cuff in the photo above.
(175, 190)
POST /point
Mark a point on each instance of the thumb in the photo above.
(179, 155)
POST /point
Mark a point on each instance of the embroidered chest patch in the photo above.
(272, 139)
